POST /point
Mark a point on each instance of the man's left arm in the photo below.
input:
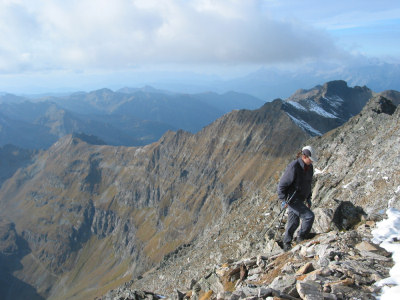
(310, 195)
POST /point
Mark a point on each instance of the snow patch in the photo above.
(318, 171)
(398, 189)
(296, 105)
(304, 125)
(319, 110)
(387, 235)
(334, 101)
(346, 186)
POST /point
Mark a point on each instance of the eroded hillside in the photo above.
(81, 204)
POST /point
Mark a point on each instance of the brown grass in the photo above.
(206, 295)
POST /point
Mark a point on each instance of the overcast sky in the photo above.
(41, 40)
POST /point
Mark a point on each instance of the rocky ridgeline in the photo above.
(333, 265)
(357, 183)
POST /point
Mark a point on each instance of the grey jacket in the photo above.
(295, 178)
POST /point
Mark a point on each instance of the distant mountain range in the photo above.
(136, 117)
(130, 117)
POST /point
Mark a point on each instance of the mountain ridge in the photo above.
(133, 207)
(346, 207)
(164, 194)
(136, 118)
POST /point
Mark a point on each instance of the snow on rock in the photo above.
(297, 105)
(304, 125)
(387, 234)
(318, 171)
(334, 101)
(319, 110)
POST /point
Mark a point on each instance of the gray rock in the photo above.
(376, 256)
(285, 284)
(309, 290)
(224, 295)
(323, 219)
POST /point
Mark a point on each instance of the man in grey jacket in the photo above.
(295, 185)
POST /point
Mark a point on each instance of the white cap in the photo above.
(309, 151)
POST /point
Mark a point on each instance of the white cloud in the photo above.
(118, 34)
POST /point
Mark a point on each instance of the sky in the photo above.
(79, 44)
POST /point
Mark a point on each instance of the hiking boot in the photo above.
(286, 246)
(308, 236)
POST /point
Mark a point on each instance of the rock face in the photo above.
(359, 162)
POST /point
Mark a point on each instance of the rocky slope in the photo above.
(358, 182)
(335, 265)
(360, 159)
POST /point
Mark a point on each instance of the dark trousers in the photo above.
(296, 211)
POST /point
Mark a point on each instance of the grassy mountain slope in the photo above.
(82, 204)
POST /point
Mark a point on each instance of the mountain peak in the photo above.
(103, 91)
(70, 141)
(323, 108)
(334, 87)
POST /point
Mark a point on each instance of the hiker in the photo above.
(295, 185)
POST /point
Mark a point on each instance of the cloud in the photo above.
(358, 27)
(121, 34)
